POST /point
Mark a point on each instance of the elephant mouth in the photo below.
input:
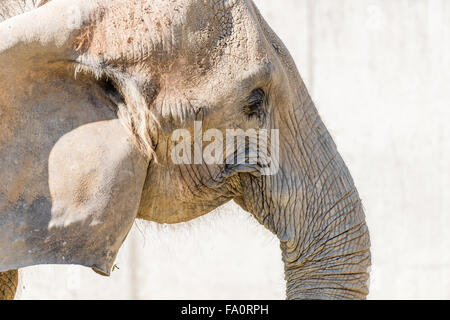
(252, 151)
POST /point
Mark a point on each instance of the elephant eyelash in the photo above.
(255, 102)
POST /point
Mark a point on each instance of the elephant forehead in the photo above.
(162, 31)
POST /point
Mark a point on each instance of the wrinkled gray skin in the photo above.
(75, 151)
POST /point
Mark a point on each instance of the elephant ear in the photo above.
(70, 176)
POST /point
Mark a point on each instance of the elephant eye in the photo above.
(255, 103)
(110, 90)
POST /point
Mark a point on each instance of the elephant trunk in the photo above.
(313, 207)
(324, 239)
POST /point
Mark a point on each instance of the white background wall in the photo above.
(379, 73)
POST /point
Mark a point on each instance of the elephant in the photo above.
(96, 96)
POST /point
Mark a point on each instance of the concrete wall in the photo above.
(379, 73)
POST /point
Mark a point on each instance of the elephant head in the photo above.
(156, 81)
